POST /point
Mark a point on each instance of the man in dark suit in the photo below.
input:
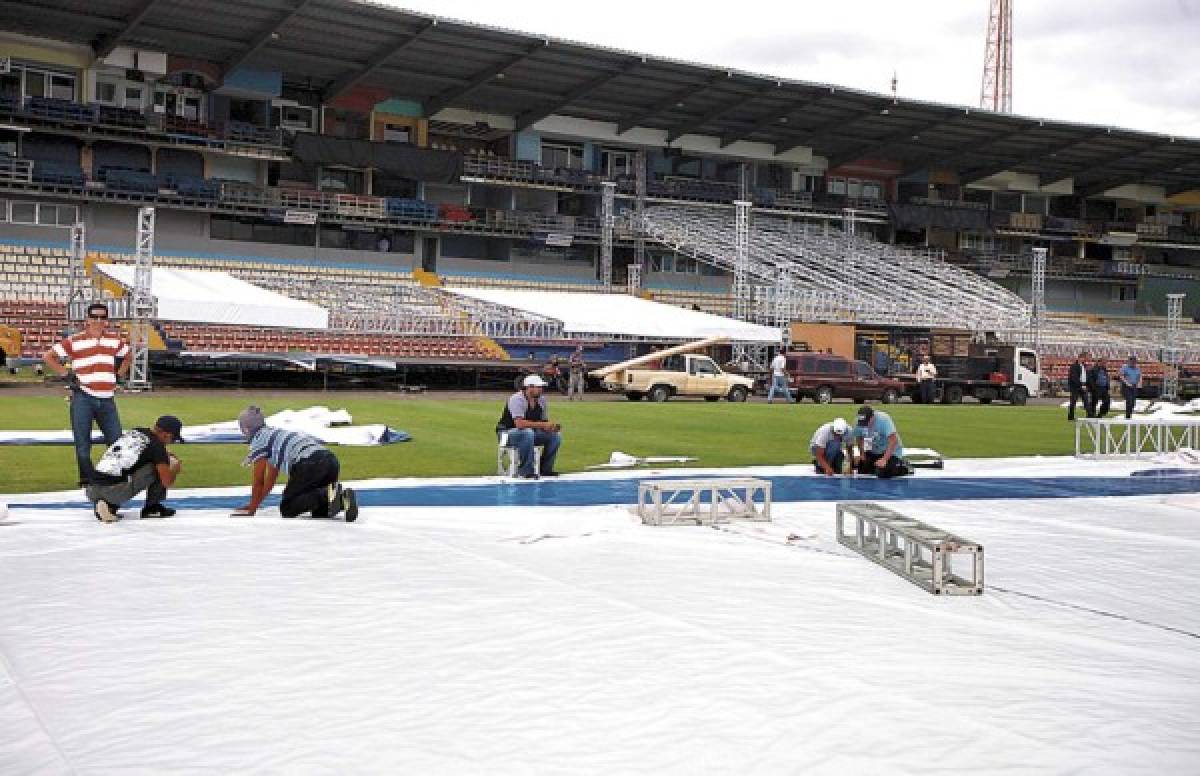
(1077, 383)
(1098, 384)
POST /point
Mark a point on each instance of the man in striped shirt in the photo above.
(312, 470)
(94, 355)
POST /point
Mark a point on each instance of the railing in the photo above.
(16, 171)
(233, 136)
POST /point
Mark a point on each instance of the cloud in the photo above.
(1125, 63)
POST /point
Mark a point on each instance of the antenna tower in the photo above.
(996, 92)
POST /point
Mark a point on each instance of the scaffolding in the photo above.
(608, 197)
(639, 209)
(1172, 353)
(78, 288)
(143, 307)
(1037, 311)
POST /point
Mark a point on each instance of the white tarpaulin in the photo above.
(218, 297)
(622, 315)
(330, 426)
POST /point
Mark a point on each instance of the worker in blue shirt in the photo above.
(877, 447)
(1131, 380)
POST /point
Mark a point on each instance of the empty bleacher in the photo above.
(833, 276)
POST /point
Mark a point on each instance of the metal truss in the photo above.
(608, 197)
(143, 305)
(1136, 437)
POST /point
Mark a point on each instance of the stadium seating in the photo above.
(834, 276)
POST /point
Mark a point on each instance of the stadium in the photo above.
(373, 223)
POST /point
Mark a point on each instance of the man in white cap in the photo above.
(828, 447)
(525, 424)
(312, 470)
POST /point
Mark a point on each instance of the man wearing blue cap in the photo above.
(138, 461)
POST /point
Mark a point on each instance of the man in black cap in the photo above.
(876, 445)
(138, 461)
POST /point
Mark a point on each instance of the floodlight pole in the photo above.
(143, 307)
(1037, 310)
(1172, 355)
(607, 200)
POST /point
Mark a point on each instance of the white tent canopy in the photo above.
(218, 297)
(623, 315)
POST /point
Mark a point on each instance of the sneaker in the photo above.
(157, 510)
(105, 512)
(351, 503)
(550, 474)
(527, 476)
(337, 501)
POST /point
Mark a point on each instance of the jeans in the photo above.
(575, 387)
(778, 383)
(145, 477)
(836, 461)
(525, 439)
(1130, 395)
(1100, 402)
(86, 408)
(307, 489)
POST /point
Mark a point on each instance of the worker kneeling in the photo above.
(525, 424)
(313, 471)
(878, 443)
(138, 461)
(828, 447)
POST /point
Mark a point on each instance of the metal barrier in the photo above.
(1136, 437)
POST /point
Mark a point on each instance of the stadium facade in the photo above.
(344, 134)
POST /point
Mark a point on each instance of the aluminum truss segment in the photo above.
(1037, 311)
(607, 223)
(921, 553)
(1135, 437)
(143, 307)
(704, 502)
(1172, 353)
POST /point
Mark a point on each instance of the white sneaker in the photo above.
(104, 512)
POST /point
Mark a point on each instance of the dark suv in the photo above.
(823, 377)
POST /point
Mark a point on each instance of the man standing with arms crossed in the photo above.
(926, 374)
(93, 354)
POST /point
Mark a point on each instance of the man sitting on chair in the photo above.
(525, 424)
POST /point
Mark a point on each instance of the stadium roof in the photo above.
(339, 44)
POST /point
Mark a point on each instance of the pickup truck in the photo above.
(679, 375)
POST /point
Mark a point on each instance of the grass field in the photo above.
(455, 436)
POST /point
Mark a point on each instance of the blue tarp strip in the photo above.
(574, 493)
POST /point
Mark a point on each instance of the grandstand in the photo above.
(425, 156)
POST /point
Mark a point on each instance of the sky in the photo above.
(1125, 63)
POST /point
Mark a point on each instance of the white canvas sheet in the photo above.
(622, 315)
(197, 296)
(574, 640)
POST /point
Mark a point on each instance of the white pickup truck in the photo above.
(676, 373)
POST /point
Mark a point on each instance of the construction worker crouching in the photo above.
(828, 445)
(877, 448)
